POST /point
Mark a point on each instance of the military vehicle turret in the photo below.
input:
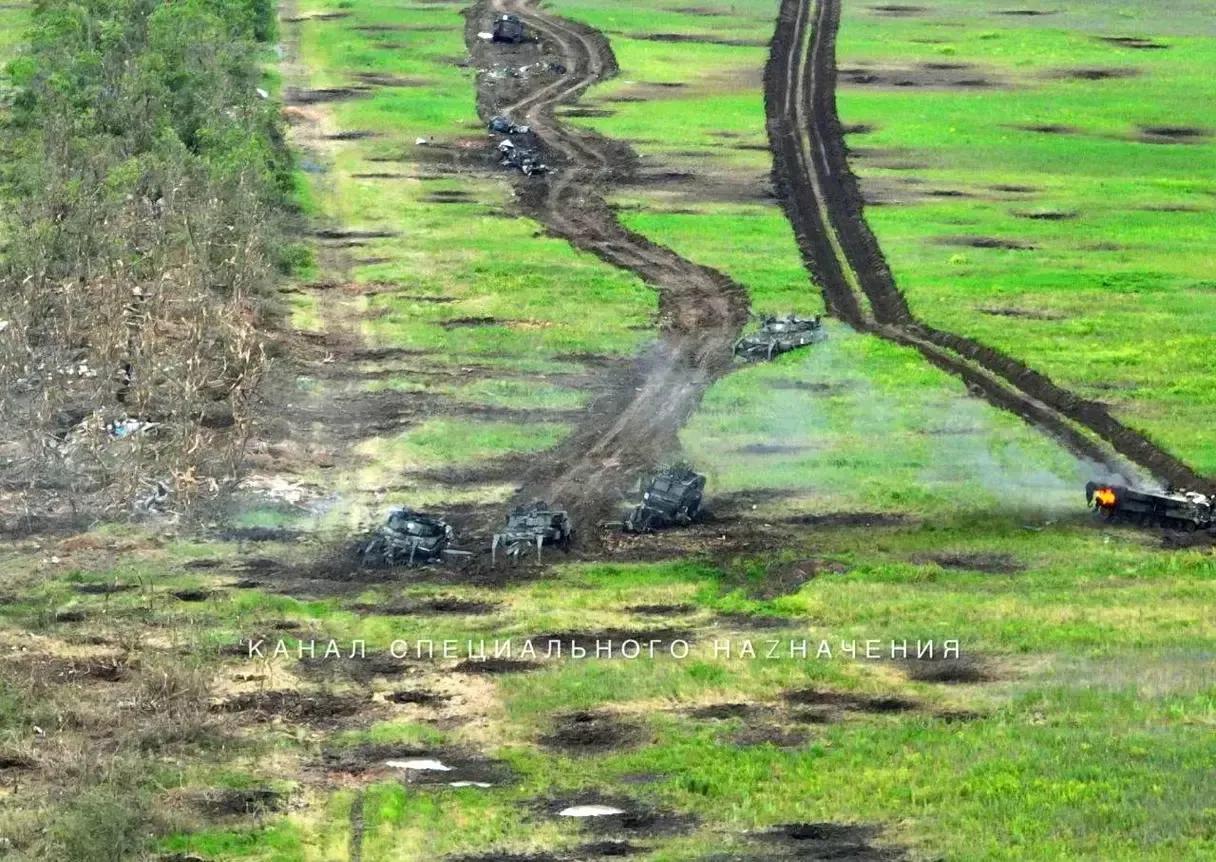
(778, 335)
(406, 538)
(534, 525)
(509, 29)
(671, 498)
(1180, 510)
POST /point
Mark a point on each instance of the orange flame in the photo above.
(1104, 497)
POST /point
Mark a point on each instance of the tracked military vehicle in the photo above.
(407, 538)
(534, 525)
(779, 335)
(1179, 510)
(671, 498)
(508, 29)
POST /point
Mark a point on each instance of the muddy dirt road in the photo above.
(822, 199)
(701, 311)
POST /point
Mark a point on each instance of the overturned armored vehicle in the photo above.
(407, 538)
(672, 498)
(778, 335)
(534, 525)
(1179, 510)
(509, 29)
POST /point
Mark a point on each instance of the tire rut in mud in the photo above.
(822, 199)
(701, 310)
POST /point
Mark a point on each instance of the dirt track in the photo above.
(824, 204)
(701, 310)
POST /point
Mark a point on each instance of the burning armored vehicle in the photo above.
(534, 525)
(509, 29)
(671, 498)
(408, 537)
(778, 335)
(1179, 510)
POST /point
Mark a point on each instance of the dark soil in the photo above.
(434, 605)
(1047, 215)
(721, 711)
(995, 564)
(779, 737)
(459, 322)
(661, 638)
(193, 595)
(986, 242)
(899, 10)
(831, 841)
(317, 708)
(770, 449)
(366, 757)
(936, 76)
(848, 701)
(1135, 42)
(662, 610)
(417, 696)
(103, 589)
(753, 622)
(947, 671)
(230, 802)
(701, 39)
(1024, 313)
(849, 519)
(293, 96)
(1048, 129)
(356, 669)
(495, 666)
(1172, 134)
(1093, 73)
(15, 763)
(1026, 13)
(70, 617)
(258, 534)
(638, 820)
(590, 732)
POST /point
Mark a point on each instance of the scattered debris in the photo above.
(535, 524)
(526, 158)
(779, 335)
(1181, 510)
(673, 497)
(504, 126)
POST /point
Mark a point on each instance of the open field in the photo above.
(461, 338)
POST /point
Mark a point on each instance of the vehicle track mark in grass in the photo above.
(822, 200)
(702, 310)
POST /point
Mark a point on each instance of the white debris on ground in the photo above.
(420, 765)
(469, 784)
(589, 811)
(278, 488)
(485, 37)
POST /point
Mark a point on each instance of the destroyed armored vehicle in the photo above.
(503, 126)
(406, 538)
(672, 498)
(522, 156)
(509, 29)
(779, 335)
(1179, 510)
(534, 525)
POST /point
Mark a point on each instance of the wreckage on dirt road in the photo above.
(671, 498)
(407, 538)
(508, 29)
(1179, 510)
(778, 335)
(520, 148)
(534, 525)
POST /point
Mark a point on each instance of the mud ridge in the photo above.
(636, 424)
(823, 202)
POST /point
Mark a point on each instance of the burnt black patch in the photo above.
(616, 643)
(431, 605)
(15, 763)
(1172, 134)
(321, 708)
(849, 701)
(1135, 42)
(610, 849)
(103, 589)
(1047, 215)
(1024, 313)
(721, 711)
(848, 519)
(192, 595)
(338, 234)
(698, 38)
(1026, 13)
(964, 670)
(495, 665)
(991, 242)
(832, 841)
(1014, 189)
(70, 617)
(776, 736)
(659, 610)
(751, 622)
(462, 322)
(1095, 73)
(258, 534)
(353, 135)
(1047, 129)
(898, 10)
(295, 96)
(345, 667)
(585, 731)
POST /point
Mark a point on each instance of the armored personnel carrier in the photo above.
(671, 498)
(1179, 510)
(509, 29)
(534, 525)
(407, 538)
(778, 335)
